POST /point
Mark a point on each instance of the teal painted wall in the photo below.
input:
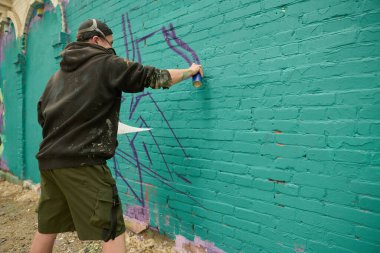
(277, 152)
(12, 93)
(40, 65)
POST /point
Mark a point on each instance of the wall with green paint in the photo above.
(41, 63)
(26, 65)
(12, 94)
(277, 152)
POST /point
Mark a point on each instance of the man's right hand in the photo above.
(195, 68)
(178, 75)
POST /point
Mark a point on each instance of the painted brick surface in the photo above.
(41, 45)
(12, 97)
(277, 152)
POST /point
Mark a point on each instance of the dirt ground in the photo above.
(18, 223)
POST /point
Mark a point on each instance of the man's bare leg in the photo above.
(43, 243)
(115, 246)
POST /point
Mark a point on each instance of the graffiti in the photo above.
(133, 52)
(198, 245)
(3, 164)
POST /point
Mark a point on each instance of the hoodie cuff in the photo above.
(160, 79)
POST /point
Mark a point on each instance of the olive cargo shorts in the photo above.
(78, 199)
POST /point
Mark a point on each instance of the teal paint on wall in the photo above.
(275, 141)
(10, 83)
(40, 65)
(279, 151)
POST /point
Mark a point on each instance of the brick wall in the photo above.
(279, 150)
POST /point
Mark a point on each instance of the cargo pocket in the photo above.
(107, 175)
(103, 206)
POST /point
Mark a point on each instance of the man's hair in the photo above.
(86, 35)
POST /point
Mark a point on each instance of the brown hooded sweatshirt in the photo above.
(79, 109)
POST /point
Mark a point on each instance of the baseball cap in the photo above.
(91, 28)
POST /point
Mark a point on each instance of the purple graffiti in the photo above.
(132, 158)
(182, 244)
(147, 153)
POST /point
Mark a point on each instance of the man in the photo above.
(79, 113)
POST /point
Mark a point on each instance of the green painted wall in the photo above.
(277, 152)
(40, 65)
(12, 93)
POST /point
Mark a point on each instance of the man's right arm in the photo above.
(178, 75)
(168, 77)
(133, 77)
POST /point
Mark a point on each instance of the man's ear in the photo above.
(95, 39)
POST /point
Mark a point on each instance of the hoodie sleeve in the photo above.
(133, 77)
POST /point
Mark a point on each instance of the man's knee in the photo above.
(115, 246)
(41, 236)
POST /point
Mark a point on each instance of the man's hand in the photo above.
(195, 68)
(178, 75)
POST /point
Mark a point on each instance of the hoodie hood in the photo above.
(77, 53)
